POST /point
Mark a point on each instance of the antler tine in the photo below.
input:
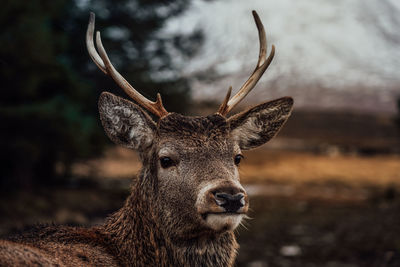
(261, 66)
(90, 44)
(222, 108)
(104, 64)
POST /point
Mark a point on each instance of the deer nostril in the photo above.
(242, 201)
(231, 203)
(221, 198)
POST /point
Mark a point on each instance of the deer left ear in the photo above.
(125, 123)
(259, 124)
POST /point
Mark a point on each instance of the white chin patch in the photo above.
(220, 222)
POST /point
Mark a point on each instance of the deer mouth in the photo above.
(226, 213)
(222, 221)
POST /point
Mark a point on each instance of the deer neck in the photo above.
(132, 229)
(137, 236)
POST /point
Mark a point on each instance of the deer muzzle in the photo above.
(222, 205)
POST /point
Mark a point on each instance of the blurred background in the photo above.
(325, 192)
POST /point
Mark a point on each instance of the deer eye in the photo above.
(166, 162)
(237, 159)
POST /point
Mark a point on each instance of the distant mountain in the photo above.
(330, 54)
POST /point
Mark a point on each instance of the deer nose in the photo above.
(231, 203)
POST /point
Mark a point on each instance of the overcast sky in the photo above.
(349, 48)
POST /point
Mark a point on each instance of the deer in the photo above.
(187, 200)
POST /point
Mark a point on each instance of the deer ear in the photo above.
(125, 123)
(259, 124)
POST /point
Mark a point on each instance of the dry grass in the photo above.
(117, 162)
(263, 165)
(303, 167)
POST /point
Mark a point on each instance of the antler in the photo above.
(103, 62)
(261, 66)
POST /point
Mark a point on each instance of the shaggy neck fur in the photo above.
(138, 238)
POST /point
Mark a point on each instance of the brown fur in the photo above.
(164, 220)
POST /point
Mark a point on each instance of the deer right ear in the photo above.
(259, 124)
(125, 123)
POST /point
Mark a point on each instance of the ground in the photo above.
(307, 208)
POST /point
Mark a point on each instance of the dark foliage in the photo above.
(397, 119)
(48, 107)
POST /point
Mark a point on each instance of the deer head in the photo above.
(191, 162)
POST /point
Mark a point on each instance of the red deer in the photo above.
(187, 200)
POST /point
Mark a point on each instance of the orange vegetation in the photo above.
(303, 167)
(263, 165)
